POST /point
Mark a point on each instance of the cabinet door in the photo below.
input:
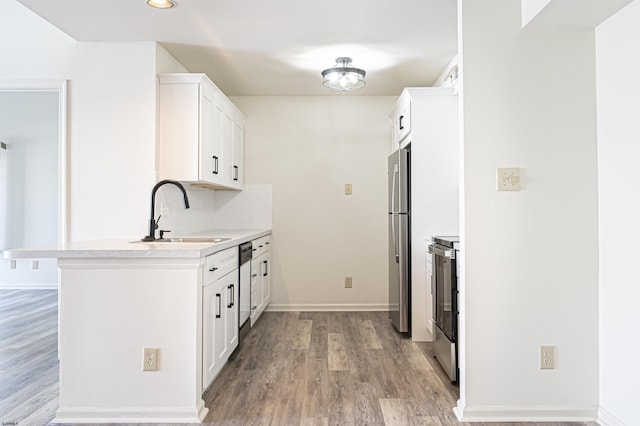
(207, 133)
(217, 156)
(401, 121)
(232, 312)
(266, 279)
(237, 155)
(213, 332)
(227, 129)
(256, 290)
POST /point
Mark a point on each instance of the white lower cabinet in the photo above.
(260, 277)
(219, 317)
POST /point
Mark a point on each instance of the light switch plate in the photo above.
(347, 189)
(508, 179)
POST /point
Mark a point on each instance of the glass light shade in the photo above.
(161, 4)
(343, 77)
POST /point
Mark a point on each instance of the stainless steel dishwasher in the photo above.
(245, 287)
(244, 294)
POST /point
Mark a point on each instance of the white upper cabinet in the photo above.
(401, 117)
(201, 132)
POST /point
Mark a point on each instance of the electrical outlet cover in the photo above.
(150, 359)
(547, 358)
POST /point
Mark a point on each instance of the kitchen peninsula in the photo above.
(117, 298)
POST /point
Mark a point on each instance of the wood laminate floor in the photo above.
(308, 368)
(28, 356)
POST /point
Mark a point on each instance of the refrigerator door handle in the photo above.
(394, 236)
(394, 184)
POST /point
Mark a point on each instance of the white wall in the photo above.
(528, 101)
(308, 148)
(112, 142)
(30, 47)
(618, 66)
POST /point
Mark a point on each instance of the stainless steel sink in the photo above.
(213, 240)
(193, 240)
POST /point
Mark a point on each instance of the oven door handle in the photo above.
(431, 248)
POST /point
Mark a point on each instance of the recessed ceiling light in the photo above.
(161, 4)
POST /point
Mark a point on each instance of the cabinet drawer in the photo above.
(219, 264)
(261, 245)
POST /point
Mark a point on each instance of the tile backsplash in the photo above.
(213, 209)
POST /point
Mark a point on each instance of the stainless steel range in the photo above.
(444, 287)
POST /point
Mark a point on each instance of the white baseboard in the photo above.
(605, 418)
(525, 413)
(315, 307)
(23, 286)
(132, 415)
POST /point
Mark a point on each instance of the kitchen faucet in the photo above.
(153, 224)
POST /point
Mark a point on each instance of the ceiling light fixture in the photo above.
(343, 77)
(161, 4)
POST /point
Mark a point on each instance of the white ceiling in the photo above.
(278, 47)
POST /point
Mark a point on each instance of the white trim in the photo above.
(332, 307)
(540, 413)
(59, 86)
(605, 418)
(63, 166)
(28, 286)
(132, 414)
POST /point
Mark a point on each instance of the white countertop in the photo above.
(132, 248)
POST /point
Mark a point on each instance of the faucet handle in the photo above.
(162, 232)
(157, 220)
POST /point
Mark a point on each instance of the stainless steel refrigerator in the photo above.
(399, 240)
